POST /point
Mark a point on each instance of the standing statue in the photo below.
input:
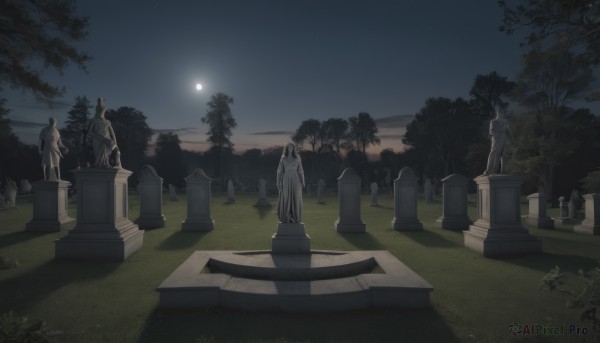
(290, 181)
(49, 145)
(104, 141)
(498, 130)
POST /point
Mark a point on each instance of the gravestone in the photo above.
(198, 196)
(498, 230)
(320, 190)
(374, 195)
(10, 194)
(454, 203)
(563, 209)
(150, 189)
(172, 193)
(262, 194)
(25, 186)
(428, 190)
(574, 204)
(537, 212)
(591, 223)
(103, 230)
(50, 206)
(349, 219)
(230, 192)
(405, 202)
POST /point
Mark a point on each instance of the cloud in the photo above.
(182, 130)
(391, 136)
(194, 142)
(26, 124)
(271, 133)
(396, 121)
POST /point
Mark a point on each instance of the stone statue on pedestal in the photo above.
(290, 181)
(498, 131)
(104, 141)
(49, 147)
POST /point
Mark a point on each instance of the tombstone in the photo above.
(262, 194)
(349, 219)
(428, 190)
(405, 202)
(498, 230)
(150, 189)
(563, 209)
(230, 192)
(374, 189)
(172, 193)
(454, 203)
(308, 190)
(537, 212)
(103, 230)
(25, 186)
(320, 189)
(591, 223)
(50, 206)
(10, 194)
(198, 195)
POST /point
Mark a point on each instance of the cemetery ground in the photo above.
(475, 299)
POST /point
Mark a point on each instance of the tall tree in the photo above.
(32, 31)
(310, 130)
(169, 159)
(74, 133)
(220, 122)
(489, 91)
(549, 82)
(363, 131)
(335, 131)
(132, 134)
(8, 140)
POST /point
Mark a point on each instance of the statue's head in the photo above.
(100, 107)
(290, 148)
(500, 111)
(52, 121)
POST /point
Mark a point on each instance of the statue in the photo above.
(49, 145)
(290, 181)
(262, 188)
(104, 141)
(498, 129)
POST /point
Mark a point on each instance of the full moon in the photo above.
(198, 87)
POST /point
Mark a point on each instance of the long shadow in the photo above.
(430, 239)
(364, 241)
(222, 325)
(545, 261)
(181, 240)
(263, 210)
(28, 289)
(18, 237)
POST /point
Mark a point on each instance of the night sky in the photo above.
(282, 61)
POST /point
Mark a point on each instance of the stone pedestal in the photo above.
(498, 230)
(50, 205)
(405, 202)
(563, 208)
(349, 219)
(290, 238)
(591, 223)
(103, 230)
(150, 189)
(454, 203)
(537, 212)
(198, 196)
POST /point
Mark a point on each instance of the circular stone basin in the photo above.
(291, 267)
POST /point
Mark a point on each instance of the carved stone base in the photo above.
(50, 205)
(350, 226)
(290, 238)
(197, 226)
(407, 224)
(454, 223)
(150, 222)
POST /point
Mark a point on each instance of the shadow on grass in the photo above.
(429, 239)
(263, 210)
(545, 261)
(181, 240)
(364, 241)
(221, 325)
(32, 287)
(18, 237)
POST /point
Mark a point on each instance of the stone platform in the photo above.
(319, 281)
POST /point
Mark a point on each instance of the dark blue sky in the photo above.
(282, 61)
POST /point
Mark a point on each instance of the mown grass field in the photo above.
(475, 299)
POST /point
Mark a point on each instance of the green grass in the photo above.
(475, 299)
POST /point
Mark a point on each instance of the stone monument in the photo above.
(10, 194)
(563, 209)
(262, 194)
(349, 219)
(49, 147)
(428, 190)
(498, 230)
(25, 186)
(150, 189)
(405, 202)
(320, 190)
(50, 206)
(230, 192)
(172, 193)
(198, 196)
(291, 237)
(591, 223)
(454, 203)
(537, 212)
(374, 195)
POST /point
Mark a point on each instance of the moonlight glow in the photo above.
(198, 87)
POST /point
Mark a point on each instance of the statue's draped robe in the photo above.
(51, 142)
(498, 133)
(290, 177)
(101, 131)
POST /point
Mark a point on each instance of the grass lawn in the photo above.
(475, 299)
